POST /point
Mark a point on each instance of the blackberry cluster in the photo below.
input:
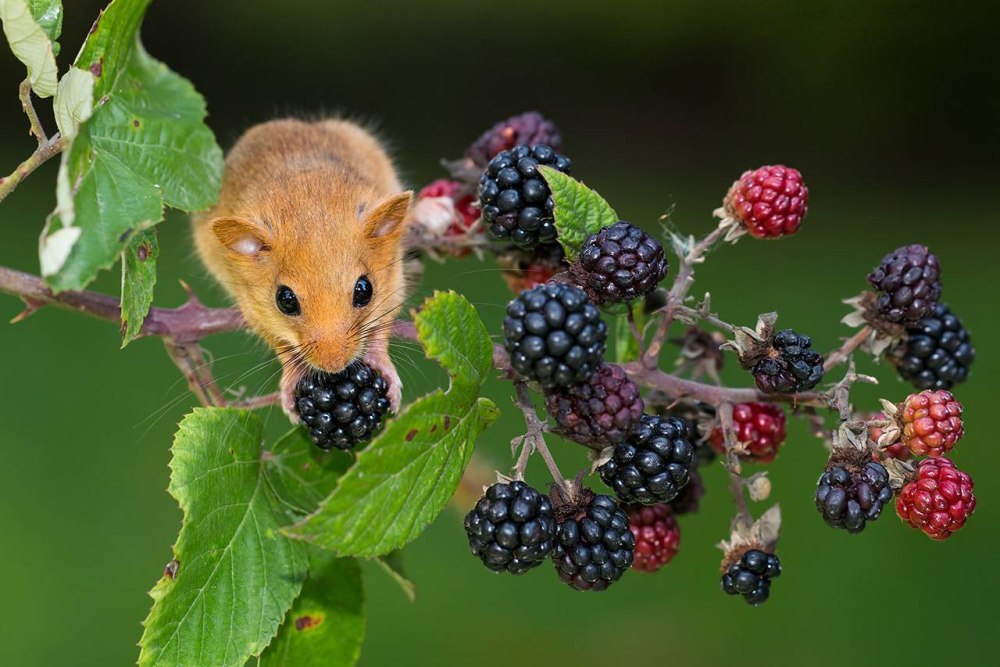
(511, 528)
(620, 263)
(653, 464)
(601, 409)
(516, 200)
(751, 576)
(657, 536)
(790, 366)
(936, 353)
(847, 499)
(554, 335)
(342, 409)
(528, 128)
(909, 279)
(595, 546)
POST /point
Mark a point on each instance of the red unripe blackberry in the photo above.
(619, 263)
(555, 335)
(751, 576)
(936, 353)
(770, 201)
(939, 500)
(653, 464)
(594, 546)
(527, 128)
(464, 203)
(516, 201)
(342, 409)
(760, 425)
(790, 365)
(909, 282)
(848, 496)
(602, 409)
(657, 536)
(932, 422)
(896, 450)
(512, 528)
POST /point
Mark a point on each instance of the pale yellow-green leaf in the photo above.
(31, 45)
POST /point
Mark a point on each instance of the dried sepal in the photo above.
(900, 473)
(599, 457)
(734, 229)
(758, 486)
(761, 534)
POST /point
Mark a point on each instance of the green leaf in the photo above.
(405, 477)
(74, 101)
(392, 564)
(326, 625)
(579, 211)
(138, 280)
(301, 474)
(31, 27)
(144, 145)
(237, 575)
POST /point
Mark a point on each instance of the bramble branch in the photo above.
(47, 147)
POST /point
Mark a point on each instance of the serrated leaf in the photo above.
(145, 145)
(237, 575)
(301, 474)
(392, 564)
(406, 476)
(74, 101)
(326, 625)
(138, 281)
(579, 211)
(31, 27)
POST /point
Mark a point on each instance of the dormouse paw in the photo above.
(378, 358)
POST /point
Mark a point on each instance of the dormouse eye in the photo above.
(287, 302)
(362, 292)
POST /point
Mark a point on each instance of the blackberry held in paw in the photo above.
(751, 576)
(602, 409)
(789, 366)
(512, 528)
(936, 353)
(555, 335)
(594, 546)
(516, 201)
(848, 497)
(909, 283)
(619, 263)
(653, 464)
(342, 409)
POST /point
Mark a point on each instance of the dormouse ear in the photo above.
(242, 236)
(387, 217)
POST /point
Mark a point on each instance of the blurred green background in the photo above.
(890, 110)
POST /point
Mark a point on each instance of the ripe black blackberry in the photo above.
(555, 335)
(601, 409)
(528, 128)
(619, 263)
(789, 366)
(342, 409)
(689, 498)
(594, 545)
(511, 528)
(909, 279)
(751, 576)
(653, 464)
(516, 200)
(936, 353)
(848, 497)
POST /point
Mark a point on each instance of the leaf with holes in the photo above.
(32, 28)
(143, 146)
(579, 211)
(406, 476)
(326, 625)
(237, 575)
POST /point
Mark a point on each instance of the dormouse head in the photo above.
(320, 282)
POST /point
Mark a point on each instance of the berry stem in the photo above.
(737, 487)
(842, 353)
(533, 440)
(702, 313)
(37, 131)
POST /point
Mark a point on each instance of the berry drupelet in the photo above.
(751, 576)
(555, 335)
(936, 353)
(653, 464)
(342, 409)
(512, 528)
(619, 263)
(516, 201)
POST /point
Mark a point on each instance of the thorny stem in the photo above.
(534, 440)
(47, 147)
(702, 313)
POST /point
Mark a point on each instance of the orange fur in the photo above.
(313, 206)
